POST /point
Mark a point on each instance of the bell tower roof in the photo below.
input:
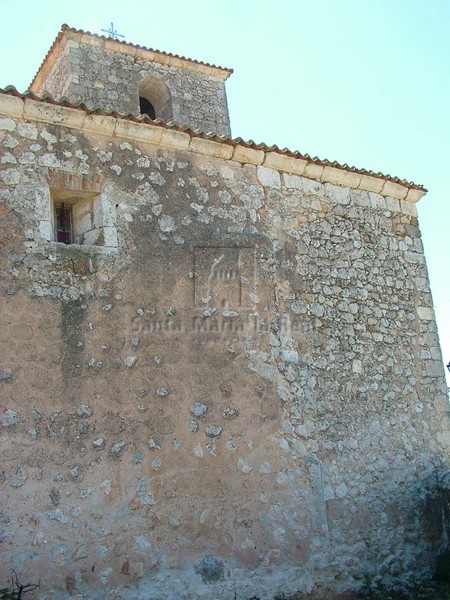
(85, 37)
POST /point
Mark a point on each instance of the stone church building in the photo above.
(220, 369)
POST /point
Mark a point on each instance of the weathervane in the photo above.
(113, 33)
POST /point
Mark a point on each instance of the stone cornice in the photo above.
(172, 136)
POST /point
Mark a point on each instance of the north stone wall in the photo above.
(243, 397)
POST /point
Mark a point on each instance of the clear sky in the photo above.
(365, 82)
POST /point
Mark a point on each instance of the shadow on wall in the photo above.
(436, 508)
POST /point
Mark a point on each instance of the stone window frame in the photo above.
(157, 92)
(93, 213)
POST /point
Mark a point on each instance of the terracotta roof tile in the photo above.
(46, 98)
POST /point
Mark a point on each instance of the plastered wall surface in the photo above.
(241, 393)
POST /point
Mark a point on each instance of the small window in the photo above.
(84, 218)
(146, 107)
(155, 99)
(80, 211)
(63, 223)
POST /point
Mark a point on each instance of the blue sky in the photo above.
(366, 82)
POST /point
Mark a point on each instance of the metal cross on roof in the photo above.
(112, 32)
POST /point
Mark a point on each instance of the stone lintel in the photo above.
(11, 106)
(211, 148)
(73, 35)
(288, 164)
(62, 180)
(394, 189)
(143, 54)
(135, 131)
(414, 195)
(297, 166)
(313, 171)
(341, 177)
(370, 183)
(99, 124)
(243, 154)
(175, 139)
(116, 46)
(90, 40)
(52, 113)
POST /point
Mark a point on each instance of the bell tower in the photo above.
(118, 76)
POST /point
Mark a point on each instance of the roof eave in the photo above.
(79, 116)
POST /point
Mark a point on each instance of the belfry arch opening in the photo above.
(155, 99)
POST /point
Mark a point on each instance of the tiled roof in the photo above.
(66, 28)
(196, 133)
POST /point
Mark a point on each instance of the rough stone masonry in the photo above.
(228, 384)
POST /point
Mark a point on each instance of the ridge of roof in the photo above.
(65, 27)
(197, 133)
